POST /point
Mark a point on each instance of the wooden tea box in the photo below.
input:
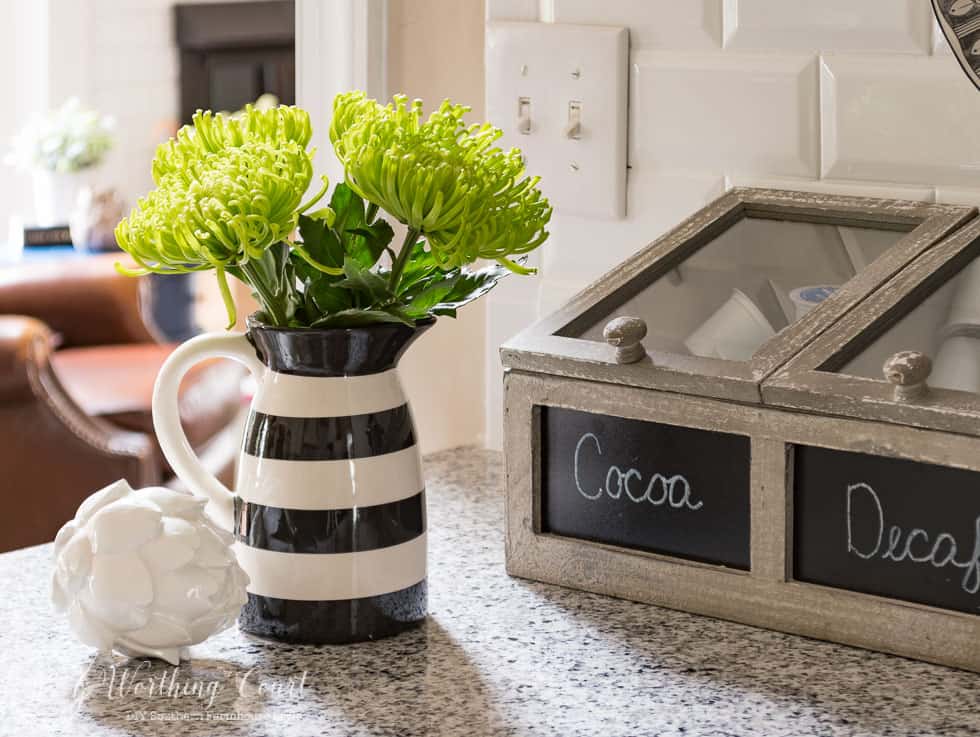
(710, 427)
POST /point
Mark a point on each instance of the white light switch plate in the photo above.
(547, 69)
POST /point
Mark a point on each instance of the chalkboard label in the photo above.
(644, 485)
(887, 526)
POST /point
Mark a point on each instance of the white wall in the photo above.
(128, 69)
(116, 56)
(20, 24)
(132, 75)
(852, 96)
(435, 51)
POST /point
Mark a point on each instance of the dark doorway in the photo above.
(231, 53)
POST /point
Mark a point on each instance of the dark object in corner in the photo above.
(36, 236)
(231, 53)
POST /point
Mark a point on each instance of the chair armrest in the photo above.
(53, 455)
(23, 340)
(85, 301)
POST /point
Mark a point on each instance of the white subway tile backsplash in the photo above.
(900, 119)
(657, 202)
(884, 190)
(829, 25)
(939, 43)
(675, 24)
(517, 288)
(555, 293)
(958, 196)
(716, 112)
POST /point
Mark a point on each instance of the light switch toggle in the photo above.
(524, 115)
(573, 129)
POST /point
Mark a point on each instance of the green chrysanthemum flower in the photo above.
(227, 189)
(210, 133)
(443, 179)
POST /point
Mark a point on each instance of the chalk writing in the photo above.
(673, 491)
(915, 546)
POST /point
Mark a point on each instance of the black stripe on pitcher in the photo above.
(329, 438)
(336, 622)
(330, 530)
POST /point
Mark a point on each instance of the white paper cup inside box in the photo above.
(734, 331)
(145, 572)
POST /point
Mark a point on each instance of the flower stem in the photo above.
(270, 305)
(398, 266)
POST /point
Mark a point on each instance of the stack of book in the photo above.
(36, 236)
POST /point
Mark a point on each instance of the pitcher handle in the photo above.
(166, 415)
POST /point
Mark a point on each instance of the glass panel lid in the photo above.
(908, 354)
(732, 293)
(743, 287)
(944, 325)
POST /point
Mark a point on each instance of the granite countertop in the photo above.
(498, 656)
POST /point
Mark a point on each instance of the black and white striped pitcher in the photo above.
(329, 509)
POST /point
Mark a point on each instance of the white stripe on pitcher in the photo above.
(286, 395)
(342, 484)
(338, 577)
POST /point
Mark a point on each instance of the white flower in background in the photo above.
(65, 140)
(145, 572)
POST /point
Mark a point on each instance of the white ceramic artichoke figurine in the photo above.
(145, 572)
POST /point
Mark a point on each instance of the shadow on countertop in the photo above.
(775, 676)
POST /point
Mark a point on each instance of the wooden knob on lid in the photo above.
(908, 371)
(625, 334)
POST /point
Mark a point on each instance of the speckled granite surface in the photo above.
(499, 656)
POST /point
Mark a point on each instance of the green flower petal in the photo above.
(451, 182)
(227, 189)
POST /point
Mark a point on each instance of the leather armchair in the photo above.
(51, 451)
(84, 301)
(77, 365)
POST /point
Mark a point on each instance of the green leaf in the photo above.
(355, 317)
(436, 291)
(320, 242)
(348, 208)
(327, 298)
(362, 241)
(364, 282)
(401, 313)
(366, 244)
(421, 266)
(460, 288)
(324, 214)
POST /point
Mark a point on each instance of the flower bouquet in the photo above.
(229, 199)
(329, 505)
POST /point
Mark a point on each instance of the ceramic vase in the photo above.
(329, 507)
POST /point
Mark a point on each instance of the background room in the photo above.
(623, 379)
